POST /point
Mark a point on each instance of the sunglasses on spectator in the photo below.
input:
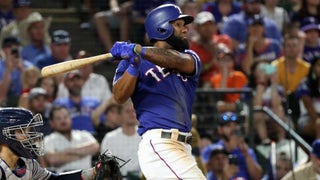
(228, 117)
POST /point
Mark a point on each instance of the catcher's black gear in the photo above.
(107, 167)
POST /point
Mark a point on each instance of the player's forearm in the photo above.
(124, 88)
(168, 58)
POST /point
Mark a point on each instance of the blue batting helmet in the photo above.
(17, 131)
(157, 23)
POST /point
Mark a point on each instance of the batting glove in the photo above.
(123, 50)
(134, 66)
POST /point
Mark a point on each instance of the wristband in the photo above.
(143, 51)
(133, 70)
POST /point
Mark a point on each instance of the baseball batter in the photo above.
(161, 81)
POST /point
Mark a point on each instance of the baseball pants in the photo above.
(164, 158)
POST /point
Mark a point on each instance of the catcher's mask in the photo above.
(18, 131)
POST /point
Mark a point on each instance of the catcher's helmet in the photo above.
(17, 131)
(157, 23)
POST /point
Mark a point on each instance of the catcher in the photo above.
(21, 144)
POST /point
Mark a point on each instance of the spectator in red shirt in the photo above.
(204, 44)
(227, 77)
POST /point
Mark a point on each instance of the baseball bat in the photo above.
(70, 65)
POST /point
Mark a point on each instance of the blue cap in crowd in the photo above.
(309, 23)
(213, 150)
(21, 3)
(9, 41)
(316, 148)
(60, 37)
(228, 117)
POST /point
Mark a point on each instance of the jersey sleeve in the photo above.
(121, 68)
(197, 62)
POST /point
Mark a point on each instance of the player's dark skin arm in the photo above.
(182, 63)
(124, 87)
(168, 58)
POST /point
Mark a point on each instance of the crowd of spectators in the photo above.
(270, 46)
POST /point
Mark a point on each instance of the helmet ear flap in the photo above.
(161, 30)
(165, 30)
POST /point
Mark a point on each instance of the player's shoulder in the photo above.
(192, 53)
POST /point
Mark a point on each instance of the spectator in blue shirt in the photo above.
(221, 165)
(11, 68)
(35, 29)
(257, 47)
(307, 8)
(237, 24)
(311, 27)
(79, 107)
(309, 93)
(6, 13)
(233, 141)
(60, 50)
(222, 9)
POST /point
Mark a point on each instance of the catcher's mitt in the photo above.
(107, 167)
